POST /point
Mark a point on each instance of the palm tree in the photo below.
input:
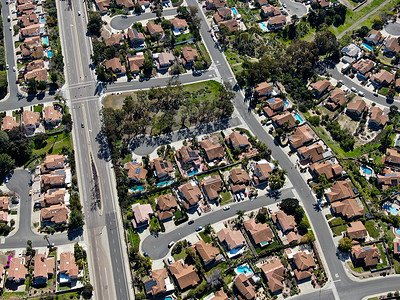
(240, 215)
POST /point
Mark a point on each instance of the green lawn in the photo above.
(127, 158)
(225, 196)
(358, 269)
(9, 295)
(370, 226)
(337, 221)
(180, 255)
(184, 37)
(38, 108)
(55, 144)
(271, 246)
(383, 257)
(339, 229)
(206, 238)
(133, 238)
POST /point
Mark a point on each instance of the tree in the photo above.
(154, 225)
(87, 291)
(289, 205)
(240, 215)
(4, 141)
(32, 86)
(214, 280)
(7, 164)
(67, 121)
(76, 219)
(207, 229)
(147, 67)
(53, 77)
(345, 244)
(137, 8)
(95, 23)
(40, 140)
(166, 24)
(41, 85)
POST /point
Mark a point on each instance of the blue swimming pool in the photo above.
(234, 10)
(263, 26)
(168, 298)
(398, 231)
(138, 188)
(366, 46)
(244, 269)
(393, 210)
(46, 40)
(298, 117)
(397, 143)
(164, 183)
(286, 103)
(49, 54)
(195, 171)
(42, 19)
(367, 170)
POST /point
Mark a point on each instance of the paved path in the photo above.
(146, 144)
(124, 22)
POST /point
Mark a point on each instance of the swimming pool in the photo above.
(49, 54)
(286, 103)
(263, 26)
(168, 298)
(366, 46)
(164, 183)
(234, 10)
(398, 231)
(393, 210)
(244, 269)
(397, 143)
(191, 173)
(298, 117)
(42, 19)
(138, 188)
(46, 40)
(367, 170)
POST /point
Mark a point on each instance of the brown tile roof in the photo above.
(263, 88)
(115, 65)
(246, 286)
(277, 20)
(274, 271)
(287, 222)
(368, 255)
(17, 270)
(389, 178)
(167, 206)
(191, 193)
(133, 35)
(336, 99)
(396, 246)
(314, 152)
(232, 238)
(393, 45)
(154, 28)
(220, 295)
(189, 54)
(237, 140)
(38, 74)
(4, 203)
(356, 230)
(30, 30)
(206, 251)
(142, 213)
(340, 190)
(300, 136)
(292, 237)
(30, 118)
(270, 10)
(259, 232)
(56, 214)
(25, 7)
(32, 41)
(348, 208)
(185, 275)
(3, 216)
(326, 168)
(374, 36)
(178, 23)
(114, 39)
(261, 172)
(51, 114)
(212, 186)
(43, 267)
(239, 176)
(54, 179)
(283, 118)
(103, 5)
(135, 62)
(27, 20)
(231, 24)
(9, 123)
(214, 150)
(383, 76)
(126, 3)
(321, 86)
(135, 171)
(161, 166)
(36, 64)
(187, 154)
(393, 157)
(215, 3)
(363, 65)
(156, 284)
(52, 162)
(301, 275)
(68, 265)
(377, 115)
(359, 105)
(303, 261)
(53, 197)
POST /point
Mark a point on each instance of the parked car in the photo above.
(190, 243)
(227, 207)
(360, 94)
(197, 73)
(242, 196)
(7, 66)
(171, 244)
(346, 89)
(200, 228)
(190, 222)
(170, 260)
(14, 69)
(145, 254)
(82, 125)
(354, 89)
(199, 211)
(376, 94)
(79, 12)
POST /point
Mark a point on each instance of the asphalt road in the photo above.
(393, 28)
(124, 22)
(295, 8)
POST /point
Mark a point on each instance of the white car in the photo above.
(14, 69)
(354, 89)
(360, 94)
(171, 244)
(341, 81)
(170, 260)
(79, 12)
(227, 207)
(242, 196)
(7, 66)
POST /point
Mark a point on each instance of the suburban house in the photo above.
(135, 63)
(189, 55)
(115, 66)
(163, 169)
(191, 194)
(304, 263)
(185, 275)
(263, 89)
(377, 119)
(212, 186)
(209, 254)
(367, 256)
(235, 139)
(27, 20)
(261, 3)
(30, 121)
(43, 269)
(142, 213)
(363, 67)
(336, 99)
(222, 14)
(67, 268)
(285, 118)
(136, 172)
(274, 273)
(261, 173)
(188, 156)
(4, 203)
(246, 286)
(9, 123)
(56, 178)
(158, 284)
(155, 30)
(285, 223)
(33, 52)
(357, 231)
(351, 52)
(383, 77)
(52, 116)
(327, 168)
(166, 207)
(4, 217)
(325, 4)
(232, 25)
(179, 24)
(35, 64)
(103, 5)
(53, 197)
(276, 23)
(135, 38)
(375, 37)
(54, 215)
(215, 4)
(125, 3)
(321, 87)
(396, 247)
(17, 271)
(301, 136)
(37, 74)
(213, 150)
(260, 234)
(274, 105)
(339, 191)
(388, 178)
(231, 239)
(32, 30)
(269, 11)
(239, 180)
(114, 40)
(356, 108)
(219, 295)
(392, 157)
(392, 46)
(164, 60)
(348, 209)
(313, 153)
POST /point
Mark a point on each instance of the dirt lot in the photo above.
(346, 123)
(116, 101)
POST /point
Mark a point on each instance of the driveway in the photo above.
(124, 22)
(295, 8)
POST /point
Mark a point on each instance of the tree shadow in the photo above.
(74, 233)
(104, 150)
